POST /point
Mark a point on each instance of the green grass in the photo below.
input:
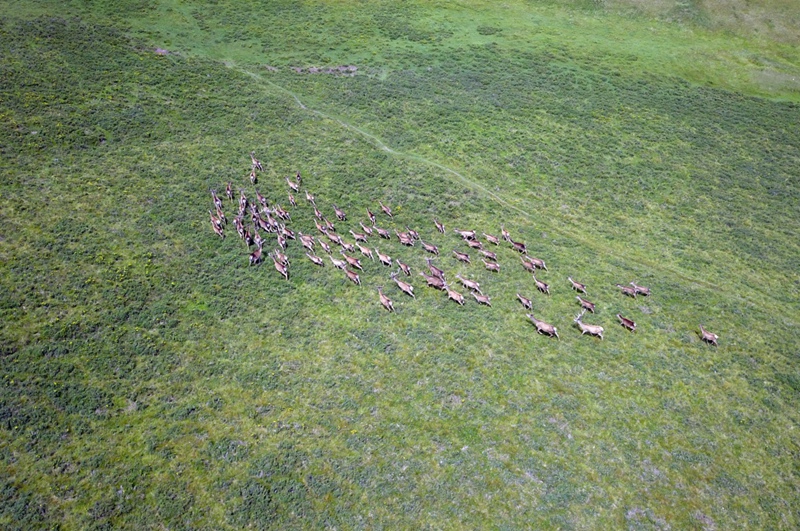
(152, 379)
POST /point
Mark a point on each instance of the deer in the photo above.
(592, 330)
(385, 259)
(261, 199)
(439, 226)
(281, 213)
(454, 295)
(289, 233)
(536, 262)
(383, 233)
(353, 277)
(475, 244)
(541, 286)
(338, 264)
(281, 268)
(317, 213)
(519, 247)
(465, 234)
(542, 327)
(488, 254)
(386, 210)
(328, 225)
(292, 200)
(430, 248)
(217, 202)
(405, 287)
(630, 292)
(491, 239)
(218, 230)
(310, 198)
(366, 251)
(435, 271)
(297, 178)
(577, 286)
(526, 303)
(641, 290)
(367, 230)
(354, 262)
(469, 284)
(316, 259)
(214, 220)
(253, 177)
(229, 191)
(528, 266)
(340, 215)
(307, 241)
(237, 222)
(371, 216)
(463, 257)
(708, 337)
(242, 201)
(258, 240)
(385, 301)
(248, 238)
(404, 238)
(585, 304)
(506, 235)
(404, 267)
(360, 237)
(280, 257)
(325, 246)
(282, 241)
(349, 247)
(482, 299)
(491, 266)
(434, 282)
(334, 238)
(320, 227)
(412, 233)
(256, 163)
(256, 257)
(627, 323)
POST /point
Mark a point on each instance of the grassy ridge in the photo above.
(150, 377)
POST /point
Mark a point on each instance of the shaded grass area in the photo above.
(150, 377)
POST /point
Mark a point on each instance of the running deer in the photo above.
(542, 327)
(307, 241)
(641, 290)
(434, 282)
(289, 233)
(340, 215)
(577, 286)
(261, 199)
(366, 251)
(256, 257)
(282, 241)
(491, 266)
(338, 264)
(454, 295)
(482, 299)
(465, 234)
(630, 292)
(310, 198)
(386, 301)
(229, 191)
(367, 230)
(585, 304)
(475, 244)
(526, 303)
(506, 235)
(316, 259)
(708, 337)
(386, 210)
(412, 233)
(253, 177)
(334, 238)
(405, 287)
(541, 286)
(627, 323)
(353, 277)
(297, 178)
(439, 226)
(463, 257)
(491, 239)
(404, 238)
(404, 267)
(217, 202)
(488, 254)
(360, 237)
(218, 229)
(325, 246)
(593, 330)
(214, 221)
(354, 262)
(248, 238)
(256, 163)
(430, 248)
(292, 200)
(349, 247)
(435, 271)
(320, 228)
(469, 284)
(328, 225)
(385, 259)
(280, 257)
(317, 213)
(519, 247)
(242, 201)
(371, 216)
(383, 233)
(258, 240)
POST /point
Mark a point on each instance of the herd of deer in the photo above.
(272, 219)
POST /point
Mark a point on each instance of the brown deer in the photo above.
(435, 271)
(287, 232)
(506, 235)
(491, 266)
(256, 163)
(340, 215)
(320, 227)
(585, 304)
(229, 191)
(281, 213)
(261, 199)
(526, 303)
(541, 286)
(253, 177)
(465, 234)
(430, 248)
(316, 259)
(218, 230)
(317, 213)
(307, 241)
(412, 233)
(469, 284)
(519, 247)
(439, 226)
(354, 262)
(328, 225)
(386, 210)
(577, 286)
(454, 295)
(353, 277)
(282, 241)
(281, 268)
(325, 246)
(383, 233)
(404, 267)
(237, 222)
(280, 257)
(463, 257)
(257, 239)
(310, 198)
(708, 337)
(528, 266)
(386, 301)
(434, 282)
(385, 259)
(297, 178)
(349, 247)
(371, 216)
(630, 292)
(488, 254)
(339, 264)
(242, 201)
(404, 238)
(217, 202)
(334, 238)
(405, 287)
(214, 220)
(594, 330)
(475, 244)
(641, 290)
(367, 230)
(627, 323)
(360, 237)
(491, 239)
(366, 251)
(292, 200)
(256, 257)
(542, 327)
(482, 299)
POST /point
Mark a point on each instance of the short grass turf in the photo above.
(152, 379)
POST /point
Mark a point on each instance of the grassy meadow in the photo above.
(151, 379)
